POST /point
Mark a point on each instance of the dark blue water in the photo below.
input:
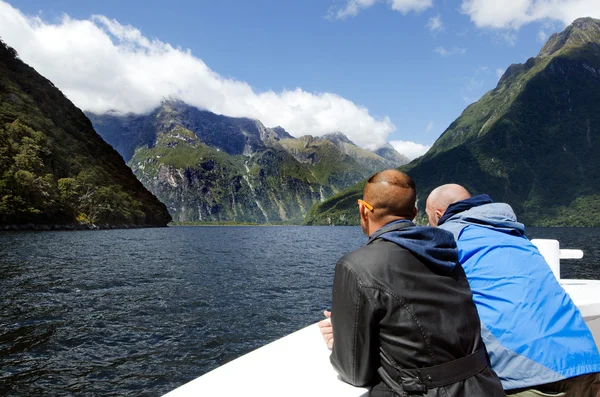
(140, 312)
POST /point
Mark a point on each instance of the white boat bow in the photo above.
(298, 364)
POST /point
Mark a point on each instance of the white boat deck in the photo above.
(298, 364)
(586, 295)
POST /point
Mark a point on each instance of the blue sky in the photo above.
(379, 70)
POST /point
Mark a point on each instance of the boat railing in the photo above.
(550, 250)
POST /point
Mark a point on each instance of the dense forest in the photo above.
(54, 168)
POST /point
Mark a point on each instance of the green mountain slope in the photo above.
(54, 168)
(334, 160)
(531, 142)
(206, 167)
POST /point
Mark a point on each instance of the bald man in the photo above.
(536, 337)
(403, 320)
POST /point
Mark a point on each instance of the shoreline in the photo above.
(71, 227)
(187, 224)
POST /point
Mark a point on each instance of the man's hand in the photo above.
(327, 329)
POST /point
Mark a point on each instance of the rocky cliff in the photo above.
(207, 167)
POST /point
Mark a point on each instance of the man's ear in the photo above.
(363, 212)
(439, 213)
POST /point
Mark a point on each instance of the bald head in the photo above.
(441, 197)
(392, 193)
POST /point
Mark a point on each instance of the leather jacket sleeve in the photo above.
(355, 351)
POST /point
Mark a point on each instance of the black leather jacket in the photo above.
(392, 311)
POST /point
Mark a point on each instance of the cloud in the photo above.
(462, 31)
(508, 36)
(474, 84)
(435, 24)
(353, 7)
(499, 15)
(453, 51)
(542, 36)
(429, 126)
(500, 72)
(100, 65)
(406, 6)
(411, 150)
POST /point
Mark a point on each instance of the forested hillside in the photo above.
(54, 169)
(533, 141)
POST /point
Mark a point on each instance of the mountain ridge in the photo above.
(233, 169)
(531, 141)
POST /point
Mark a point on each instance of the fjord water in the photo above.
(140, 312)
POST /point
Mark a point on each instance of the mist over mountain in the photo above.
(389, 153)
(532, 141)
(208, 167)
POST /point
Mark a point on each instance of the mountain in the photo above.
(389, 153)
(55, 171)
(208, 167)
(532, 141)
(368, 158)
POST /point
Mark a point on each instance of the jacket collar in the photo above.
(464, 205)
(433, 246)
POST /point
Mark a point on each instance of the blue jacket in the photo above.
(532, 330)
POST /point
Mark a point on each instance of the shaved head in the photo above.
(392, 193)
(441, 197)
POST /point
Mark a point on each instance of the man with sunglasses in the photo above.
(403, 320)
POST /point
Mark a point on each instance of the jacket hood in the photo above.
(482, 211)
(433, 246)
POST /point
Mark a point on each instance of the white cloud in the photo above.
(100, 64)
(448, 52)
(429, 126)
(412, 150)
(509, 36)
(542, 36)
(512, 14)
(435, 24)
(406, 6)
(475, 86)
(353, 7)
(500, 72)
(462, 32)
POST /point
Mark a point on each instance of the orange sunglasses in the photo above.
(369, 206)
